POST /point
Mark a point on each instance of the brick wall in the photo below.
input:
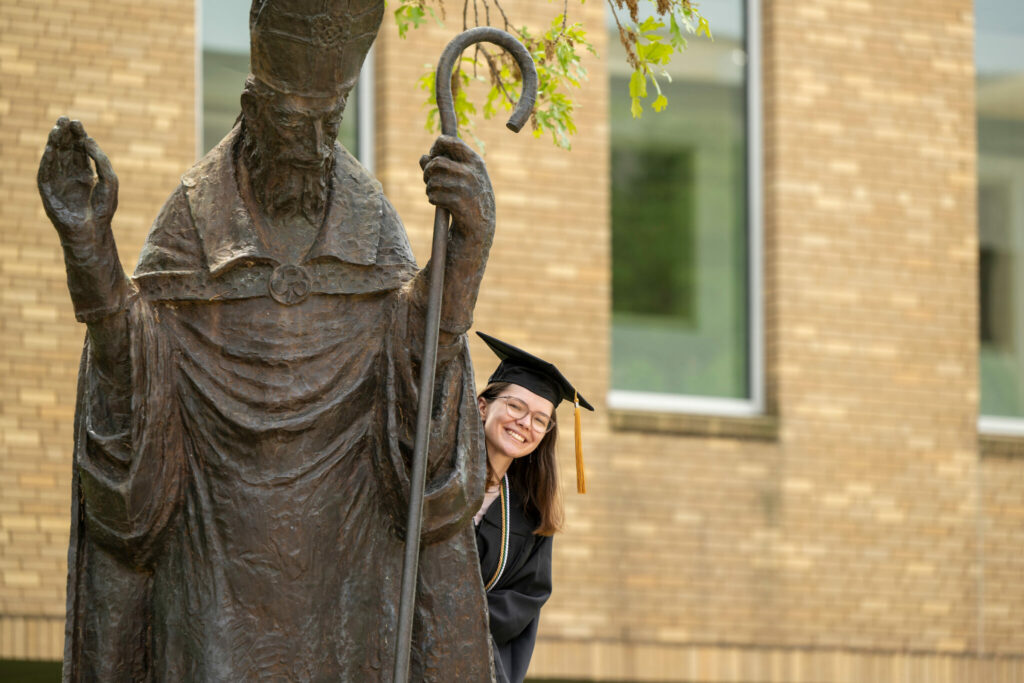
(126, 70)
(1001, 538)
(853, 534)
(874, 320)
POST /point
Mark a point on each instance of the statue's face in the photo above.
(298, 131)
(289, 145)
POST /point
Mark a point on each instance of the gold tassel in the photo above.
(581, 480)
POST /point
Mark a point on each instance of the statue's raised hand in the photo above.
(77, 202)
(81, 204)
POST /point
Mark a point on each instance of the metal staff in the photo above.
(449, 126)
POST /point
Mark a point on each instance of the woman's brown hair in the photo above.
(534, 477)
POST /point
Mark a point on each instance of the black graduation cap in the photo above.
(527, 370)
(542, 378)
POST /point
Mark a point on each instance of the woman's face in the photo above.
(508, 436)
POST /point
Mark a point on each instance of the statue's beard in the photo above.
(287, 187)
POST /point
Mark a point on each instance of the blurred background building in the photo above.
(795, 297)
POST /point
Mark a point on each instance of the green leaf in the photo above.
(659, 53)
(407, 16)
(650, 24)
(637, 85)
(659, 103)
(676, 35)
(635, 108)
(703, 28)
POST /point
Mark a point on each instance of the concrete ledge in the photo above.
(569, 660)
(992, 446)
(759, 428)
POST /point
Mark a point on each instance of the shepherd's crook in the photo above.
(449, 126)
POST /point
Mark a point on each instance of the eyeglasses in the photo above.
(517, 410)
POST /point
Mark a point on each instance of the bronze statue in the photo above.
(247, 400)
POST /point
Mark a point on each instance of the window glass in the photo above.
(999, 59)
(680, 321)
(225, 36)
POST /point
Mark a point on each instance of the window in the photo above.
(685, 228)
(225, 64)
(1000, 109)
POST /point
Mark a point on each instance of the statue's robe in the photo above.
(248, 522)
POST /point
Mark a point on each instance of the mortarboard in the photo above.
(542, 378)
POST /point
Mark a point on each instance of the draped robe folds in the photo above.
(248, 524)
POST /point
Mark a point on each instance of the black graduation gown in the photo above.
(515, 599)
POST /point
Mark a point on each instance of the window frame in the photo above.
(989, 425)
(754, 405)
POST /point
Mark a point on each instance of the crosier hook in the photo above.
(443, 80)
(428, 366)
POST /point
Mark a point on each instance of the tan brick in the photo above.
(64, 60)
(38, 397)
(20, 437)
(21, 579)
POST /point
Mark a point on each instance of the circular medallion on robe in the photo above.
(290, 284)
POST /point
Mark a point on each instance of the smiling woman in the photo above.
(515, 431)
(514, 537)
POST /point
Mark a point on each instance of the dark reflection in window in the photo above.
(652, 193)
